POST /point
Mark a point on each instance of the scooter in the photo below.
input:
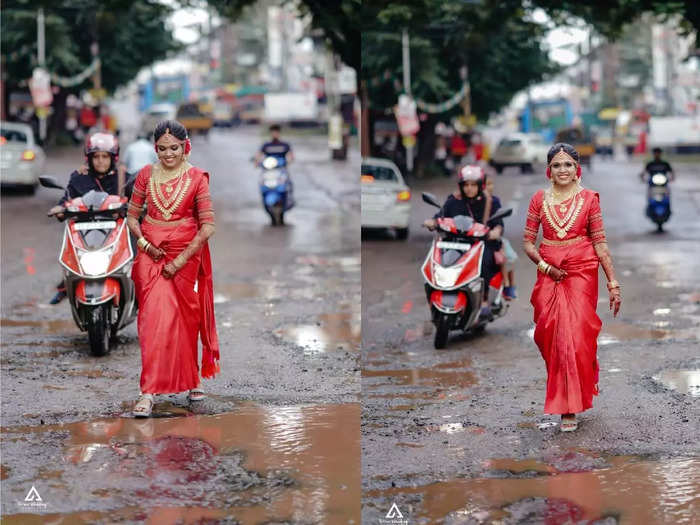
(452, 272)
(97, 256)
(276, 188)
(658, 198)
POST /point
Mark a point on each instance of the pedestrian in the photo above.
(172, 272)
(139, 153)
(565, 295)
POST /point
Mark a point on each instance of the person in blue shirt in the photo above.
(275, 147)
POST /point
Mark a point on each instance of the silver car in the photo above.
(21, 159)
(524, 150)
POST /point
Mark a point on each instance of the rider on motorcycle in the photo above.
(657, 165)
(102, 154)
(275, 147)
(471, 200)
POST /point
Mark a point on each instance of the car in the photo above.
(21, 158)
(386, 199)
(524, 150)
(155, 114)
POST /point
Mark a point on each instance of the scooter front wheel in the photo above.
(98, 330)
(442, 330)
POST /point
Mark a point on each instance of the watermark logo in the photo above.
(394, 517)
(33, 500)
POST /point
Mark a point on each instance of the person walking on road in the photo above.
(172, 272)
(565, 295)
(138, 154)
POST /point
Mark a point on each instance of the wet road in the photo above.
(263, 446)
(459, 435)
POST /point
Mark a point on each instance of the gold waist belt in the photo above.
(549, 242)
(166, 223)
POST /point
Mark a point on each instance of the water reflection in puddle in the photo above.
(174, 455)
(632, 490)
(683, 381)
(449, 375)
(334, 331)
(51, 327)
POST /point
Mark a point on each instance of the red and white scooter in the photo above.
(97, 257)
(452, 271)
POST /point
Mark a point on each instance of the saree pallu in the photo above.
(567, 327)
(173, 312)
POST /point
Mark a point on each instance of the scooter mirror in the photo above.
(49, 182)
(430, 199)
(500, 214)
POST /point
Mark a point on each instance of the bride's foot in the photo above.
(144, 406)
(568, 423)
(196, 394)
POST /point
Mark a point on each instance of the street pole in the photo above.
(41, 51)
(407, 88)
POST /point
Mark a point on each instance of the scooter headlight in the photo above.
(270, 163)
(447, 277)
(659, 179)
(95, 263)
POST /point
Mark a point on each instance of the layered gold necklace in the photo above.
(176, 184)
(562, 225)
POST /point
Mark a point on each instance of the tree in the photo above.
(496, 41)
(611, 17)
(340, 22)
(131, 35)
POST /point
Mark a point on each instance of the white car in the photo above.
(386, 199)
(524, 150)
(21, 158)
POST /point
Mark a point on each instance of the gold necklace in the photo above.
(562, 226)
(167, 206)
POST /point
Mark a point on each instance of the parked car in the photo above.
(21, 158)
(524, 150)
(386, 199)
(156, 114)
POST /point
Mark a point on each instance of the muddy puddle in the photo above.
(627, 489)
(683, 381)
(332, 331)
(446, 375)
(60, 326)
(289, 468)
(617, 332)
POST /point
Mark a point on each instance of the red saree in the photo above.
(566, 323)
(174, 312)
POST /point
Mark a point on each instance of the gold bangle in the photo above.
(613, 284)
(141, 242)
(542, 266)
(179, 261)
(549, 268)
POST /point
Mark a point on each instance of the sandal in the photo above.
(144, 406)
(568, 423)
(196, 394)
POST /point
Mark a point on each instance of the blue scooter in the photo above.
(658, 198)
(276, 188)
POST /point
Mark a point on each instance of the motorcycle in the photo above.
(452, 272)
(276, 188)
(97, 256)
(658, 198)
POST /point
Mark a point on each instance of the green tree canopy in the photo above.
(340, 22)
(495, 40)
(131, 35)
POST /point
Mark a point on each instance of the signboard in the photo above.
(40, 87)
(406, 116)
